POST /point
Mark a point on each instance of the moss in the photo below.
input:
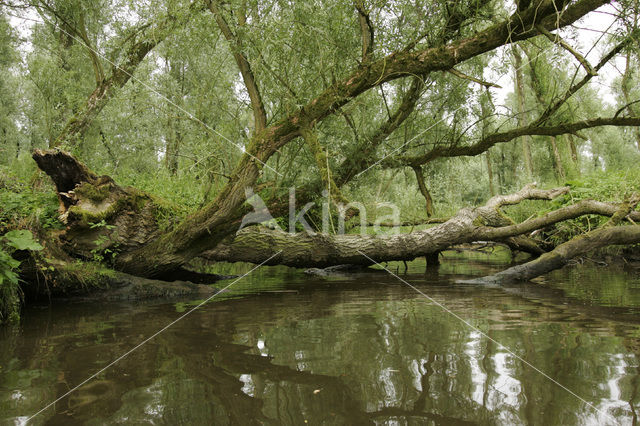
(89, 274)
(133, 199)
(94, 193)
(479, 221)
(504, 216)
(166, 213)
(85, 217)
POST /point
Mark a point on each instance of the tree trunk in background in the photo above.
(424, 190)
(174, 137)
(574, 152)
(626, 82)
(172, 147)
(557, 163)
(492, 189)
(522, 117)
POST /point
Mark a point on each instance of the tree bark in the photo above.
(321, 250)
(557, 258)
(424, 190)
(557, 163)
(522, 115)
(574, 153)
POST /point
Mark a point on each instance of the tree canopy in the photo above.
(432, 105)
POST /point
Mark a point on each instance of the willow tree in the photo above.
(395, 54)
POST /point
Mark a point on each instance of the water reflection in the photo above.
(358, 351)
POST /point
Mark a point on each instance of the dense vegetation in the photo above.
(441, 103)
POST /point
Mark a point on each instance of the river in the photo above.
(280, 347)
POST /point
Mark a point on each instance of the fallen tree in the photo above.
(609, 234)
(157, 251)
(205, 229)
(106, 219)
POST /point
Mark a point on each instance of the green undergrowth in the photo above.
(612, 187)
(180, 192)
(25, 210)
(23, 205)
(10, 293)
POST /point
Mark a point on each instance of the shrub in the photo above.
(11, 242)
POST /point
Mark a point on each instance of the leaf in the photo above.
(7, 262)
(21, 240)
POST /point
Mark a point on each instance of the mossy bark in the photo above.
(124, 221)
(558, 257)
(102, 218)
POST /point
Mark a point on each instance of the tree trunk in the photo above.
(522, 116)
(424, 190)
(492, 189)
(626, 82)
(557, 258)
(125, 219)
(557, 163)
(574, 153)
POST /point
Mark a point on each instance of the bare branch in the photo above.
(529, 192)
(625, 107)
(561, 255)
(570, 212)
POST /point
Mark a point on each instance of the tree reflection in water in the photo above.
(360, 351)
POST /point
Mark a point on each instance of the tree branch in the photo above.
(423, 189)
(259, 112)
(366, 30)
(491, 140)
(322, 250)
(555, 38)
(558, 257)
(475, 80)
(140, 44)
(574, 88)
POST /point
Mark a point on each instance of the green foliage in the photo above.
(106, 245)
(610, 186)
(24, 206)
(613, 186)
(9, 281)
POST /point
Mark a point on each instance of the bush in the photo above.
(11, 242)
(22, 206)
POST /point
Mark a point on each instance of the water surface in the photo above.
(284, 348)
